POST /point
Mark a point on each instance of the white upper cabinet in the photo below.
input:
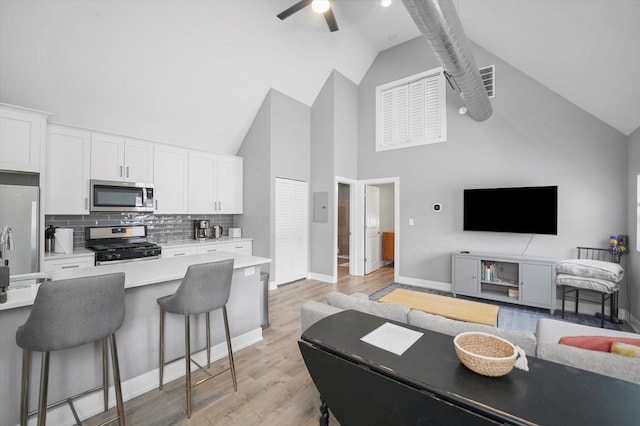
(22, 135)
(171, 174)
(229, 185)
(118, 158)
(202, 174)
(68, 163)
(215, 183)
(138, 156)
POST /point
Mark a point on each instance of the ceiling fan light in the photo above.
(320, 6)
(385, 3)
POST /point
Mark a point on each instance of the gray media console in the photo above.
(505, 278)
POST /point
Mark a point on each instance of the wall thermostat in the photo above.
(437, 207)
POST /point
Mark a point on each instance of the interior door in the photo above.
(291, 230)
(372, 253)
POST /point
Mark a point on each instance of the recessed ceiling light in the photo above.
(385, 3)
(320, 6)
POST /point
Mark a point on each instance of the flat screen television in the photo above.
(527, 210)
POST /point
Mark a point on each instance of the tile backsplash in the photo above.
(161, 228)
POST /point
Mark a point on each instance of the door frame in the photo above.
(352, 246)
(356, 213)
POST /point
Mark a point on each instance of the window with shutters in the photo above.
(411, 111)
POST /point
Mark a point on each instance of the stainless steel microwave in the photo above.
(114, 196)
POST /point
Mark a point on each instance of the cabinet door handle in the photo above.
(156, 204)
(86, 203)
(127, 171)
(120, 174)
(70, 266)
(179, 254)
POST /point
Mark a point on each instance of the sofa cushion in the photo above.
(392, 311)
(551, 331)
(625, 349)
(596, 343)
(522, 338)
(613, 365)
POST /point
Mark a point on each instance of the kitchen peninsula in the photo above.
(79, 369)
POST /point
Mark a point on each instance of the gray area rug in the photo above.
(510, 317)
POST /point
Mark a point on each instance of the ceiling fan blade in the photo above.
(293, 9)
(331, 20)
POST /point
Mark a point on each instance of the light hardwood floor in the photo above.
(274, 387)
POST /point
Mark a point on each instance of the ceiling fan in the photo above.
(328, 14)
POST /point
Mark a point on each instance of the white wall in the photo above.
(187, 72)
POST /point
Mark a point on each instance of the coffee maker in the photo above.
(201, 229)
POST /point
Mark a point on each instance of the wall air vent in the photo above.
(488, 75)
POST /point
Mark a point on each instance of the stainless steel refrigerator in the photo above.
(19, 211)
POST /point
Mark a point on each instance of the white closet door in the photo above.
(292, 230)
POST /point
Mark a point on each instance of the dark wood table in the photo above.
(427, 384)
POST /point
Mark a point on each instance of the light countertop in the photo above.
(23, 289)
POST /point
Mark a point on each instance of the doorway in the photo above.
(380, 226)
(344, 229)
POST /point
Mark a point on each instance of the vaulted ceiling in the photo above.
(194, 72)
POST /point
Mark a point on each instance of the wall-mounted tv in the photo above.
(528, 210)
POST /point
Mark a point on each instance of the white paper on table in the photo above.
(392, 338)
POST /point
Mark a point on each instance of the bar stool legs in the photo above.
(187, 358)
(230, 351)
(187, 351)
(24, 395)
(44, 385)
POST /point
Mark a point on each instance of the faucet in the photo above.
(6, 244)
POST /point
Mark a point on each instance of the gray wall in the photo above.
(333, 153)
(276, 145)
(256, 218)
(290, 148)
(322, 166)
(633, 259)
(534, 137)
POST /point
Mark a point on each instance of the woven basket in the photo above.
(485, 354)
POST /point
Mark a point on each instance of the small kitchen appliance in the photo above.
(217, 231)
(119, 244)
(201, 230)
(235, 232)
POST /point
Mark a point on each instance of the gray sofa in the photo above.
(544, 344)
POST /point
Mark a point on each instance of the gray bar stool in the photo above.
(205, 288)
(67, 314)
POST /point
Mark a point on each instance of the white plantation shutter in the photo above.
(291, 233)
(411, 111)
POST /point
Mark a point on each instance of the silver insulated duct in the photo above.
(438, 22)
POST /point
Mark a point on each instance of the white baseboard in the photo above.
(92, 404)
(434, 285)
(321, 277)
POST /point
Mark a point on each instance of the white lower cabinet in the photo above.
(241, 247)
(178, 251)
(244, 247)
(211, 249)
(69, 263)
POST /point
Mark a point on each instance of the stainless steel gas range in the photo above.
(118, 244)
